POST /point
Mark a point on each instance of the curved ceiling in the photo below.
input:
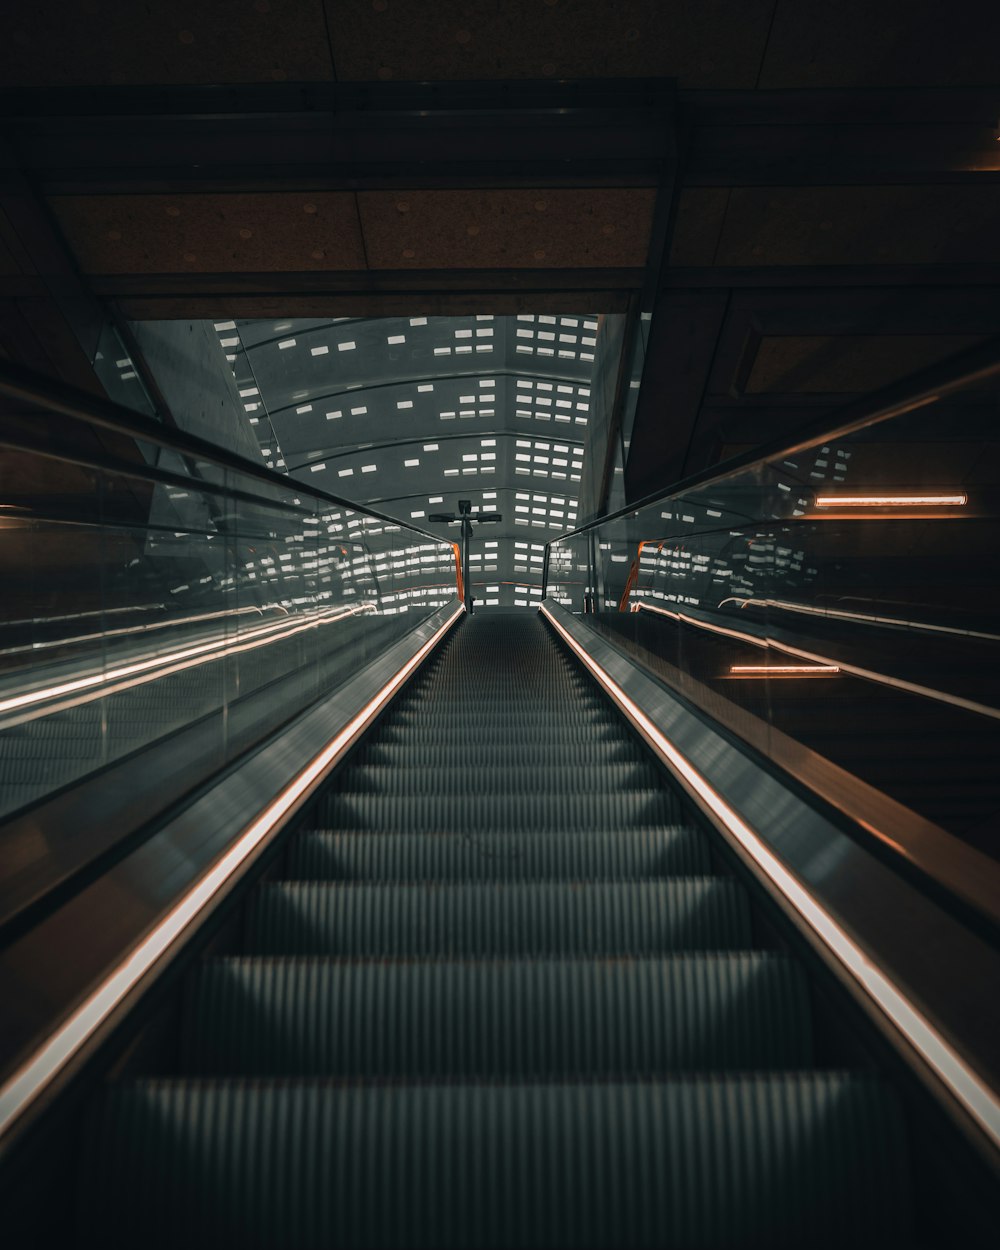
(410, 414)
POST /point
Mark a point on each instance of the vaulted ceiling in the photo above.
(413, 414)
(791, 201)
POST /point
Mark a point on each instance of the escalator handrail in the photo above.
(802, 873)
(917, 390)
(27, 386)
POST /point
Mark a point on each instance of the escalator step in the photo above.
(544, 813)
(805, 1159)
(426, 716)
(482, 732)
(598, 856)
(498, 1000)
(493, 699)
(517, 754)
(417, 921)
(461, 780)
(539, 1019)
(454, 688)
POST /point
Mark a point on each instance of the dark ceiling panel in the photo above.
(861, 225)
(698, 224)
(703, 43)
(256, 232)
(582, 227)
(681, 346)
(846, 363)
(881, 43)
(55, 43)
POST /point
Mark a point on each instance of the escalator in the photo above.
(497, 990)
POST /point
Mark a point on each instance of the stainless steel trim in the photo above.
(947, 861)
(173, 881)
(772, 637)
(926, 980)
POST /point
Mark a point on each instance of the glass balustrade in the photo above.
(836, 607)
(149, 588)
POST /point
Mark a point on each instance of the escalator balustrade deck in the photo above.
(498, 998)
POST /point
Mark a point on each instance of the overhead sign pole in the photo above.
(465, 517)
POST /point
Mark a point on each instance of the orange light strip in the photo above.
(126, 676)
(21, 1089)
(910, 687)
(974, 1095)
(891, 501)
(783, 670)
(633, 574)
(459, 579)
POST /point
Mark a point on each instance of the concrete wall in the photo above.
(192, 372)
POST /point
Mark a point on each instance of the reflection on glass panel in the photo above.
(169, 593)
(114, 366)
(838, 605)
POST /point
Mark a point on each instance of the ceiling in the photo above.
(412, 414)
(794, 201)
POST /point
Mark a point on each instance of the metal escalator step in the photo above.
(789, 1160)
(453, 683)
(517, 754)
(497, 695)
(428, 720)
(570, 711)
(481, 732)
(460, 780)
(518, 1019)
(499, 686)
(548, 919)
(673, 850)
(451, 675)
(544, 813)
(552, 704)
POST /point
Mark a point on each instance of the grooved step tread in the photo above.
(533, 919)
(476, 731)
(789, 1160)
(545, 813)
(535, 1019)
(458, 780)
(588, 856)
(499, 1000)
(423, 754)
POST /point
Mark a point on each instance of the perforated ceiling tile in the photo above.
(159, 42)
(700, 213)
(861, 225)
(846, 363)
(880, 43)
(703, 43)
(586, 227)
(180, 41)
(250, 232)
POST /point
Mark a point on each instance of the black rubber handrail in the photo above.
(26, 386)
